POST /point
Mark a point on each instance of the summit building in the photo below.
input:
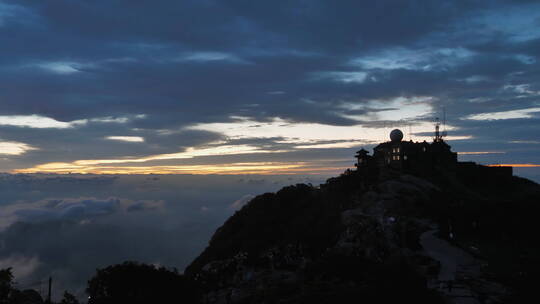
(419, 158)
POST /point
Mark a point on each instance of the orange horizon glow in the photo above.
(516, 165)
(264, 168)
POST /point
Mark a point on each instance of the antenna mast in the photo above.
(438, 135)
(444, 122)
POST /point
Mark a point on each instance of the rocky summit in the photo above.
(398, 238)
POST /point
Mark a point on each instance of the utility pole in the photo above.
(49, 294)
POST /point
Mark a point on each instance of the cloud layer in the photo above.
(47, 230)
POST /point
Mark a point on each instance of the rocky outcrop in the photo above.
(351, 237)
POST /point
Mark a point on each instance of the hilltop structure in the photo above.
(419, 158)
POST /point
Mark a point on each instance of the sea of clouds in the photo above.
(66, 226)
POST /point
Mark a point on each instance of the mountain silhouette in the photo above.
(380, 235)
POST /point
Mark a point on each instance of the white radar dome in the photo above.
(396, 135)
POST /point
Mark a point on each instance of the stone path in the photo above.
(456, 267)
(469, 284)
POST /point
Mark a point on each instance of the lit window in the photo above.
(424, 149)
(404, 157)
(397, 157)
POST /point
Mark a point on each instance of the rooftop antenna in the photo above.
(444, 123)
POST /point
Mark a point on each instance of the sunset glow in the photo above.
(516, 165)
(233, 168)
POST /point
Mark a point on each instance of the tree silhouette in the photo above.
(6, 285)
(69, 299)
(132, 282)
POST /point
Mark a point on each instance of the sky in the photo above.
(266, 87)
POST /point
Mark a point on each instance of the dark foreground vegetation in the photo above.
(129, 282)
